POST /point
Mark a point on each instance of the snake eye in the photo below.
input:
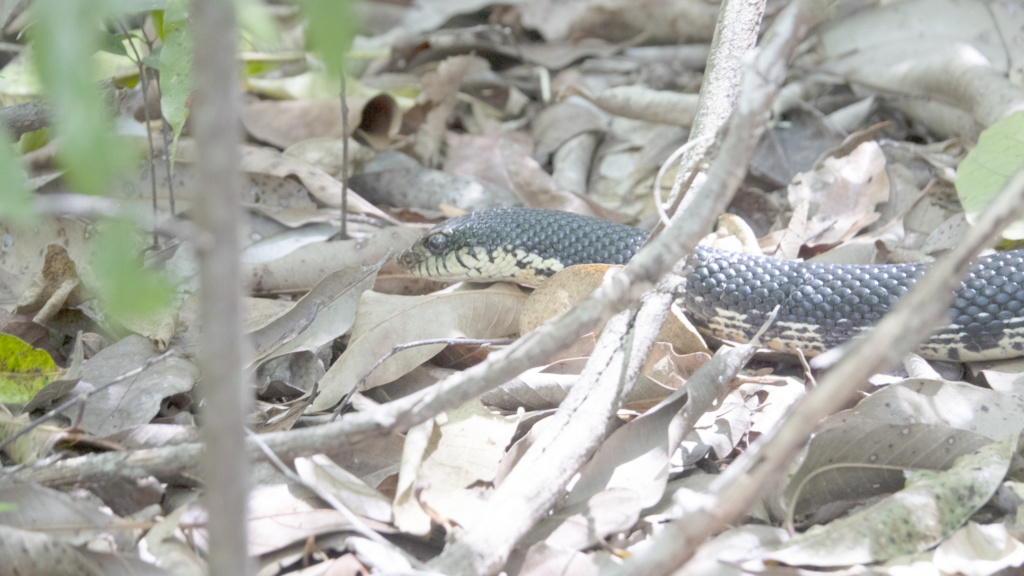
(436, 243)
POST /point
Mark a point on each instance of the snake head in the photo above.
(431, 247)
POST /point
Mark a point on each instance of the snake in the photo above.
(729, 296)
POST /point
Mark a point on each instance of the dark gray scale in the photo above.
(550, 234)
(988, 305)
(838, 301)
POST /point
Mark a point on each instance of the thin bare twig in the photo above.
(144, 80)
(225, 397)
(344, 159)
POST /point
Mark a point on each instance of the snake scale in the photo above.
(729, 295)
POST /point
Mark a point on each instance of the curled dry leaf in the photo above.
(980, 550)
(440, 93)
(538, 388)
(324, 187)
(929, 509)
(398, 180)
(163, 542)
(546, 386)
(384, 320)
(327, 154)
(733, 233)
(52, 288)
(917, 424)
(641, 103)
(574, 284)
(282, 514)
(136, 400)
(27, 552)
(328, 477)
(326, 312)
(561, 292)
(842, 194)
(282, 123)
(538, 188)
(636, 456)
(301, 269)
(621, 20)
(846, 465)
(561, 122)
(443, 475)
(483, 156)
(947, 59)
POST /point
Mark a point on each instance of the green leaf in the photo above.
(158, 22)
(24, 370)
(989, 166)
(176, 68)
(64, 40)
(125, 288)
(15, 197)
(331, 26)
(34, 140)
(113, 43)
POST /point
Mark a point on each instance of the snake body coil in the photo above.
(729, 295)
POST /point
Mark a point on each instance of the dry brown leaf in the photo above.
(561, 292)
(916, 424)
(574, 284)
(28, 552)
(280, 515)
(20, 258)
(136, 400)
(51, 289)
(440, 91)
(671, 369)
(396, 179)
(483, 156)
(268, 161)
(324, 313)
(734, 234)
(620, 20)
(282, 123)
(538, 388)
(539, 189)
(328, 477)
(642, 103)
(462, 454)
(947, 60)
(561, 122)
(842, 193)
(327, 154)
(301, 269)
(383, 320)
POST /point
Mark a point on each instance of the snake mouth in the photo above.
(410, 258)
